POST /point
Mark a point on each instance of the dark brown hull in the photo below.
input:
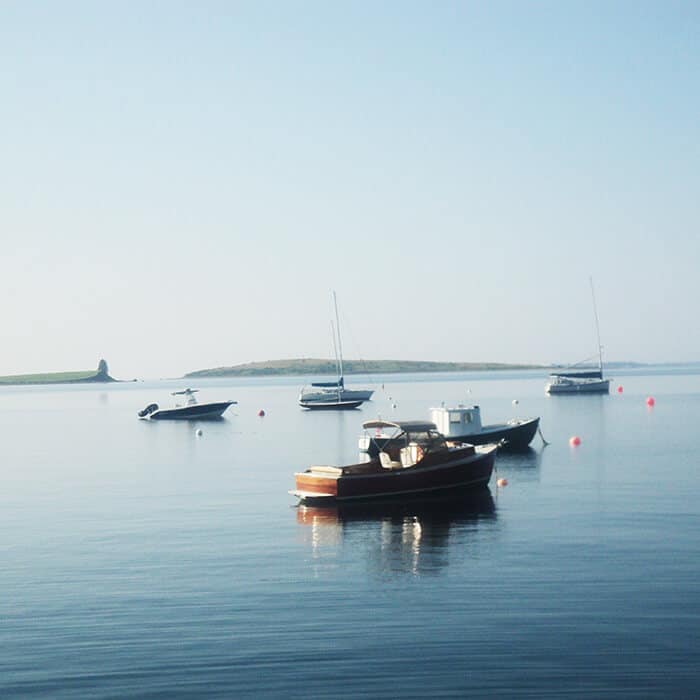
(436, 473)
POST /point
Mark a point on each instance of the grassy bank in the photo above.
(321, 366)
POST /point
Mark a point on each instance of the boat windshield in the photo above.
(189, 395)
(427, 437)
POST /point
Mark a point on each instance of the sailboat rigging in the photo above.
(582, 382)
(334, 395)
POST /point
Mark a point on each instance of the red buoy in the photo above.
(575, 441)
(619, 389)
(261, 413)
(650, 401)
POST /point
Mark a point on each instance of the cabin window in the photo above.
(455, 418)
(467, 417)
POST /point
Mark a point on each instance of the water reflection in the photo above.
(400, 537)
(525, 458)
(523, 464)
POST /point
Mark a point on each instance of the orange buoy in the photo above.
(650, 401)
(575, 441)
(261, 412)
(502, 482)
(619, 389)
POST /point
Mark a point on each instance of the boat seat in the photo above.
(388, 463)
(319, 469)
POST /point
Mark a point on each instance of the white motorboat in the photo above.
(191, 410)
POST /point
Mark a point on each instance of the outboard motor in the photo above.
(148, 410)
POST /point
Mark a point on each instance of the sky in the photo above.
(182, 185)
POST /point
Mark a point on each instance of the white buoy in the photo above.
(198, 432)
(515, 402)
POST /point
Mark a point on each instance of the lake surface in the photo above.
(140, 560)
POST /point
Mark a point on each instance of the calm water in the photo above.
(140, 560)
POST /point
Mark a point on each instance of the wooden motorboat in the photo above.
(418, 460)
(463, 423)
(190, 411)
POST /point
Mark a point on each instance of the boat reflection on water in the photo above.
(401, 536)
(522, 465)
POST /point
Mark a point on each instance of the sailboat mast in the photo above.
(335, 349)
(597, 329)
(340, 342)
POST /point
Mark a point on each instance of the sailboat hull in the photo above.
(562, 385)
(343, 394)
(330, 404)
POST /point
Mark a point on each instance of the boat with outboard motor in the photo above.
(418, 460)
(463, 423)
(190, 411)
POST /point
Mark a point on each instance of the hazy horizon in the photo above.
(183, 186)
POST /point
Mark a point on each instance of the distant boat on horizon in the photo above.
(573, 381)
(334, 395)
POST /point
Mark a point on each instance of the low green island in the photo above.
(321, 366)
(100, 375)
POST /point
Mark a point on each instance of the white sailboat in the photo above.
(581, 382)
(334, 394)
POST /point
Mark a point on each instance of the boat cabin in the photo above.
(457, 422)
(406, 443)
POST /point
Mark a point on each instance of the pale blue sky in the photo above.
(182, 184)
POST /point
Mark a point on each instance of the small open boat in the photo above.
(190, 411)
(463, 423)
(418, 460)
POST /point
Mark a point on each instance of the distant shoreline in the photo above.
(328, 367)
(314, 366)
(87, 377)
